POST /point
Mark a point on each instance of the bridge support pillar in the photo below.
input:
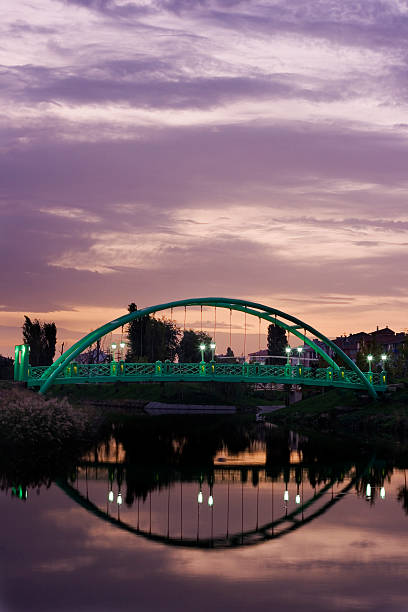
(287, 395)
(21, 362)
(159, 368)
(113, 368)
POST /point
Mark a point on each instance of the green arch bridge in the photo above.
(66, 370)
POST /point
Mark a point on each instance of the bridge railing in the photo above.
(297, 374)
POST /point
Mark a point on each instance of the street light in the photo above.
(202, 349)
(288, 351)
(383, 359)
(122, 347)
(369, 359)
(113, 347)
(212, 347)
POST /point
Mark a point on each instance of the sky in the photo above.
(163, 149)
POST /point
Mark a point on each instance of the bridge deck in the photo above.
(76, 373)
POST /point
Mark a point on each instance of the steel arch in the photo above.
(253, 308)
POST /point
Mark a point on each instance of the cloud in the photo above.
(159, 149)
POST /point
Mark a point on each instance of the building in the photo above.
(387, 341)
(259, 356)
(353, 343)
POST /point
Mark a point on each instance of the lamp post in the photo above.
(122, 347)
(299, 350)
(212, 347)
(369, 359)
(288, 351)
(383, 360)
(202, 349)
(113, 347)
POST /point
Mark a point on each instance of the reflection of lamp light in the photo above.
(200, 497)
(211, 501)
(297, 499)
(119, 500)
(110, 496)
(382, 492)
(368, 490)
(286, 495)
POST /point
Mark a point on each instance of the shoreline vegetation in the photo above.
(334, 411)
(40, 437)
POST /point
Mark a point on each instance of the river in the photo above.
(209, 513)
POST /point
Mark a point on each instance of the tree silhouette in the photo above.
(42, 338)
(150, 339)
(189, 348)
(276, 343)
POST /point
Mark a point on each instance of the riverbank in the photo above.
(138, 395)
(344, 412)
(332, 411)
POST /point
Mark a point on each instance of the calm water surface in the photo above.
(295, 524)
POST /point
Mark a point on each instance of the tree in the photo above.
(151, 339)
(189, 347)
(398, 364)
(276, 343)
(370, 347)
(6, 367)
(49, 341)
(42, 338)
(230, 354)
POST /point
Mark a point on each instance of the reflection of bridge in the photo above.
(64, 369)
(304, 511)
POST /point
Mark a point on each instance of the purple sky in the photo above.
(156, 150)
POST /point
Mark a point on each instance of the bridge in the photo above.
(66, 370)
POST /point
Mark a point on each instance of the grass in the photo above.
(341, 411)
(186, 393)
